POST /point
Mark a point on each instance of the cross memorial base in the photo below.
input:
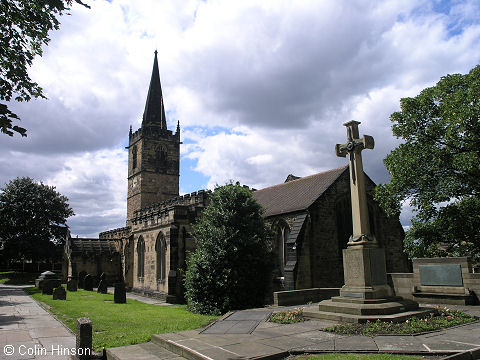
(366, 294)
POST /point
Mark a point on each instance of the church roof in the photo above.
(154, 110)
(296, 195)
(92, 246)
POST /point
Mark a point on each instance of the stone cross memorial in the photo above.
(366, 294)
(354, 147)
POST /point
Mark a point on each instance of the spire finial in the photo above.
(154, 109)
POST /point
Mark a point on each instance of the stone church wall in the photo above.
(326, 262)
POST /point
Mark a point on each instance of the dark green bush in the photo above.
(231, 267)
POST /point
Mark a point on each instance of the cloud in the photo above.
(261, 89)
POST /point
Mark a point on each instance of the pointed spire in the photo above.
(154, 110)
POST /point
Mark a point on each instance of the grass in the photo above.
(119, 324)
(288, 316)
(440, 318)
(17, 278)
(358, 356)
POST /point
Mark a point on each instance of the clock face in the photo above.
(134, 182)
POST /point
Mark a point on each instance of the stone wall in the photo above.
(326, 231)
(170, 220)
(407, 284)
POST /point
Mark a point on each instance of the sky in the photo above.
(261, 90)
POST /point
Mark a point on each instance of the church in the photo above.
(310, 217)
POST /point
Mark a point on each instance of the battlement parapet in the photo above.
(195, 199)
(153, 132)
(116, 233)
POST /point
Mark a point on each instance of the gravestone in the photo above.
(102, 285)
(81, 279)
(59, 293)
(48, 286)
(120, 294)
(88, 282)
(366, 296)
(47, 276)
(72, 284)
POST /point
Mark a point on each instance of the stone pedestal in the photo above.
(366, 296)
(365, 273)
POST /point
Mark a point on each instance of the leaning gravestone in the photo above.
(102, 287)
(120, 294)
(88, 282)
(72, 284)
(59, 293)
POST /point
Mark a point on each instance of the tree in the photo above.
(231, 266)
(437, 168)
(24, 30)
(32, 220)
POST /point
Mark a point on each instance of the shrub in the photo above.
(231, 267)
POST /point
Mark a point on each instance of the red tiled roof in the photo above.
(297, 194)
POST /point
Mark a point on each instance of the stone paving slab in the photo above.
(355, 343)
(399, 343)
(257, 315)
(29, 329)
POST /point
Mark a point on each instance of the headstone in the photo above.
(84, 338)
(88, 282)
(103, 276)
(47, 275)
(102, 287)
(120, 294)
(48, 286)
(72, 284)
(81, 279)
(59, 293)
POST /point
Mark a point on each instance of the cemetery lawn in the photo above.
(119, 324)
(358, 357)
(17, 278)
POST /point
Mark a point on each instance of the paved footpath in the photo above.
(28, 330)
(33, 333)
(246, 335)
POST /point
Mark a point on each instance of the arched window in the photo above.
(161, 250)
(283, 232)
(140, 258)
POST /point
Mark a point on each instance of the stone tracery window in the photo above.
(161, 251)
(140, 258)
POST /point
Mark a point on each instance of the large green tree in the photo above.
(437, 167)
(231, 266)
(32, 220)
(24, 30)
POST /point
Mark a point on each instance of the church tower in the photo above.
(153, 154)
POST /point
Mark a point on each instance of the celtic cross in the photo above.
(353, 147)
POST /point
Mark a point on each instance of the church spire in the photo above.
(154, 113)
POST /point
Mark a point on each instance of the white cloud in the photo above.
(261, 89)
